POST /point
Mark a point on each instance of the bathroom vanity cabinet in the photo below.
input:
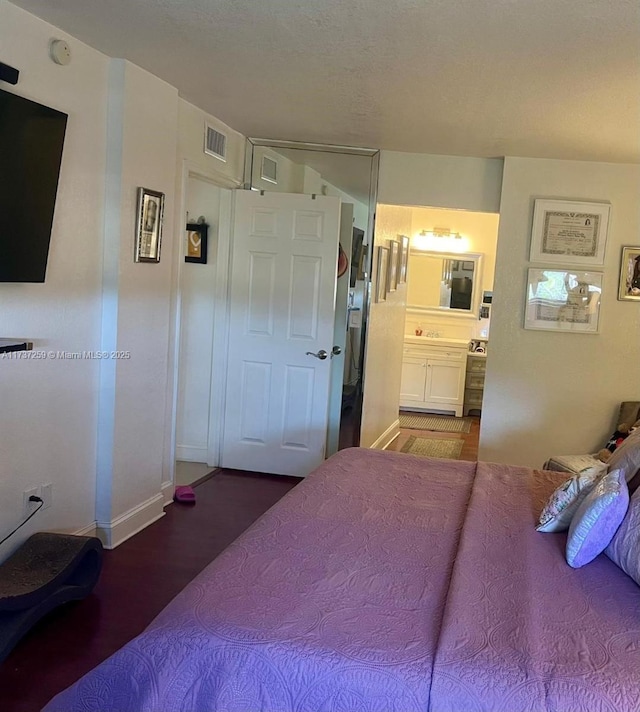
(433, 374)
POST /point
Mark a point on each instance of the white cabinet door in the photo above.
(283, 284)
(445, 383)
(413, 381)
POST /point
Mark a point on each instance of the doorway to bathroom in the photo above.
(437, 308)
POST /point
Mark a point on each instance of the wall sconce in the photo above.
(440, 239)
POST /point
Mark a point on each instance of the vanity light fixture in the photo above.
(440, 239)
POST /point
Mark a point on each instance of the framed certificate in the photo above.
(567, 232)
(563, 300)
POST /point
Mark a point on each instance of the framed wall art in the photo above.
(197, 243)
(563, 300)
(629, 287)
(394, 264)
(569, 233)
(150, 208)
(404, 258)
(381, 274)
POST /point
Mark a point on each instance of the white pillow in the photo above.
(597, 519)
(563, 503)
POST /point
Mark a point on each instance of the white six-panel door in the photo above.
(282, 296)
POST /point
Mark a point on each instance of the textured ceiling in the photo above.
(541, 78)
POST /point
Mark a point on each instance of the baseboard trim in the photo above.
(89, 530)
(389, 435)
(167, 490)
(121, 528)
(192, 453)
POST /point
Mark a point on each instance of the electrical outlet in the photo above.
(46, 492)
(28, 507)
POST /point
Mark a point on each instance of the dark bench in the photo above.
(46, 571)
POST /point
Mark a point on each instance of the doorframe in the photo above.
(189, 169)
(374, 155)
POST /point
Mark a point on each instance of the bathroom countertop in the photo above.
(436, 341)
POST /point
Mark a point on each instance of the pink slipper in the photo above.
(185, 494)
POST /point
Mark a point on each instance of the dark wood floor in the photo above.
(138, 579)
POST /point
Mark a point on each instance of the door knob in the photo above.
(322, 354)
(336, 351)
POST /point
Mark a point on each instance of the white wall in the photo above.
(142, 141)
(554, 393)
(440, 181)
(48, 419)
(198, 294)
(194, 162)
(97, 430)
(191, 128)
(385, 330)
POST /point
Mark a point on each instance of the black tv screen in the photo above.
(31, 141)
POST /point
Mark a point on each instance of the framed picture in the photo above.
(381, 277)
(565, 232)
(629, 289)
(404, 258)
(358, 257)
(563, 300)
(394, 265)
(467, 266)
(196, 243)
(149, 212)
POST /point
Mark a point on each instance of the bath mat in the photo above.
(427, 447)
(439, 423)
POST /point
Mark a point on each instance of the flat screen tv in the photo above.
(31, 141)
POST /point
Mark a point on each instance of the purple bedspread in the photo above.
(388, 583)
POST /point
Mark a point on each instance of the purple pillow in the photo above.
(627, 456)
(597, 519)
(624, 549)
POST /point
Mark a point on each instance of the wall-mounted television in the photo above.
(31, 141)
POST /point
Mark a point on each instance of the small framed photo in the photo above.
(382, 274)
(467, 266)
(197, 243)
(629, 289)
(150, 208)
(563, 300)
(404, 258)
(394, 265)
(569, 233)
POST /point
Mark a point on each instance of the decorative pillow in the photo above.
(597, 519)
(563, 503)
(624, 548)
(627, 456)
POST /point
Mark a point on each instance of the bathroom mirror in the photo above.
(444, 282)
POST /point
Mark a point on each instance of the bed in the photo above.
(388, 583)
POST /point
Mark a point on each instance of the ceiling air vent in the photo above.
(269, 170)
(215, 143)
